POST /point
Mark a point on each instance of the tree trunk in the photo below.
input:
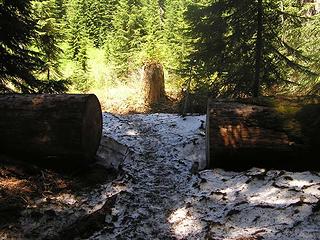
(66, 126)
(239, 136)
(48, 74)
(259, 45)
(153, 79)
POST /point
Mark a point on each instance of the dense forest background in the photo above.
(209, 47)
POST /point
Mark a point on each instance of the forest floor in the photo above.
(149, 183)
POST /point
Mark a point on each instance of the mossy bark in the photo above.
(242, 135)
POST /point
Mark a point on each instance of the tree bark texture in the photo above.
(153, 79)
(240, 135)
(259, 46)
(66, 126)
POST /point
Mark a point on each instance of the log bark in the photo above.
(242, 135)
(66, 126)
(153, 79)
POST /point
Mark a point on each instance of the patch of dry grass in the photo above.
(127, 98)
(121, 98)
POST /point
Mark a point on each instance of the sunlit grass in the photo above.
(184, 223)
(117, 95)
(128, 97)
(121, 98)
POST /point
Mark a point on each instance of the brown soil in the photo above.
(22, 184)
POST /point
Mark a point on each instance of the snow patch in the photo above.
(164, 193)
(171, 198)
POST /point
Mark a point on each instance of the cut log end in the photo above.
(49, 127)
(91, 127)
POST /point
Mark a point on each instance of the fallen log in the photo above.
(42, 126)
(241, 134)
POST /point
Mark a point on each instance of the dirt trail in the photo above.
(165, 197)
(158, 190)
(160, 177)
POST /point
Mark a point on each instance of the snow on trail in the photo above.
(159, 176)
(163, 196)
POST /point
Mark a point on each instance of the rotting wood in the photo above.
(241, 135)
(153, 80)
(64, 126)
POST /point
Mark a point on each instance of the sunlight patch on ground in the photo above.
(128, 97)
(132, 132)
(184, 223)
(247, 233)
(236, 188)
(119, 188)
(13, 184)
(268, 195)
(298, 183)
(66, 198)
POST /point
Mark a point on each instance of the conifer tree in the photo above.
(127, 36)
(49, 36)
(177, 43)
(153, 44)
(18, 63)
(77, 35)
(60, 10)
(239, 47)
(98, 17)
(311, 35)
(304, 38)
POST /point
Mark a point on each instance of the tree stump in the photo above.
(66, 126)
(153, 79)
(242, 135)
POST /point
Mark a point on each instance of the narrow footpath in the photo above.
(160, 177)
(167, 195)
(150, 182)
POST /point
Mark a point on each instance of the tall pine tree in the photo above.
(49, 36)
(125, 41)
(177, 43)
(239, 48)
(77, 34)
(304, 38)
(18, 63)
(97, 19)
(153, 42)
